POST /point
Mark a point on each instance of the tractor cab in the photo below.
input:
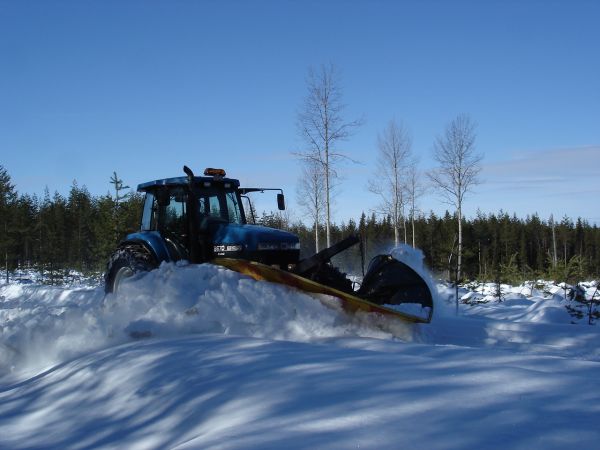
(182, 212)
(203, 217)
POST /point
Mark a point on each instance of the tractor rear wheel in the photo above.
(124, 263)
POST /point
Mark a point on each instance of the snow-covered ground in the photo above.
(196, 356)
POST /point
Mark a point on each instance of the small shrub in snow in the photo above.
(584, 301)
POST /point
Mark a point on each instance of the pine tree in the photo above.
(25, 218)
(509, 271)
(8, 198)
(103, 230)
(79, 219)
(119, 230)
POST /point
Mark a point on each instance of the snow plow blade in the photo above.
(419, 311)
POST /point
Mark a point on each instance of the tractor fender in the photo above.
(151, 241)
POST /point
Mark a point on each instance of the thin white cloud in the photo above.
(544, 169)
(561, 163)
(554, 181)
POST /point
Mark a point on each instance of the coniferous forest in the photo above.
(54, 233)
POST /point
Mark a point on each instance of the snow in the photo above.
(199, 357)
(412, 309)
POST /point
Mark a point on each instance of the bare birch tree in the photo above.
(390, 180)
(414, 190)
(458, 168)
(310, 193)
(322, 126)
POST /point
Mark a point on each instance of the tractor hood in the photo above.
(253, 237)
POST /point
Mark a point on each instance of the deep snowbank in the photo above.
(41, 326)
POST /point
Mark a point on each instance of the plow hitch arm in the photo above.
(307, 265)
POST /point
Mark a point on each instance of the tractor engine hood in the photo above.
(229, 237)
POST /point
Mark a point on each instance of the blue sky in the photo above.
(144, 87)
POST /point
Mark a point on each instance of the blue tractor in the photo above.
(201, 219)
(197, 219)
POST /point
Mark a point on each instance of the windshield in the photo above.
(220, 203)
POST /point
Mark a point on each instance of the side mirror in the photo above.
(280, 202)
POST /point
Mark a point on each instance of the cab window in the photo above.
(174, 216)
(233, 208)
(220, 204)
(147, 216)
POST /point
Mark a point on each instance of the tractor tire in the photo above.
(126, 262)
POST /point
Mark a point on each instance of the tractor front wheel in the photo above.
(124, 263)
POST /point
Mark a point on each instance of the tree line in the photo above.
(497, 246)
(55, 233)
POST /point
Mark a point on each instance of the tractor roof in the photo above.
(183, 181)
